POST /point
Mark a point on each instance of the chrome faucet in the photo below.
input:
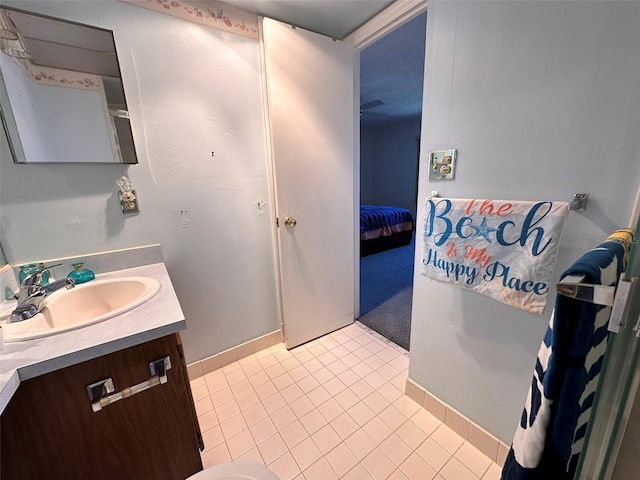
(32, 294)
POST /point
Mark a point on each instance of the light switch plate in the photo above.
(442, 164)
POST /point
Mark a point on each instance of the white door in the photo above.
(309, 81)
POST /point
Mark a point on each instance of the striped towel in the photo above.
(549, 438)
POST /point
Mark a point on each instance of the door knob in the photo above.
(290, 222)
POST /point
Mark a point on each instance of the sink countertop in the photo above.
(158, 317)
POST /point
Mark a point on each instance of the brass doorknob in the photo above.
(290, 222)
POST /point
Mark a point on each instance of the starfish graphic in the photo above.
(483, 230)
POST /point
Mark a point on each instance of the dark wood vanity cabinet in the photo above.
(49, 430)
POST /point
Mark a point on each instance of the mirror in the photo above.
(61, 93)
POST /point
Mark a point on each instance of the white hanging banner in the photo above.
(505, 250)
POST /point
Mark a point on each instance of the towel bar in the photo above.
(602, 295)
(572, 287)
(101, 393)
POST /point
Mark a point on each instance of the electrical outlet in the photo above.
(442, 164)
(129, 202)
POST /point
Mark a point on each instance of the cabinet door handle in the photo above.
(101, 393)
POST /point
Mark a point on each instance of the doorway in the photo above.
(391, 84)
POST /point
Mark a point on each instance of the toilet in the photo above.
(235, 471)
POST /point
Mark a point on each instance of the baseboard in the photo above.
(219, 360)
(475, 435)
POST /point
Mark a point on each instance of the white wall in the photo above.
(191, 90)
(542, 101)
(366, 165)
(391, 162)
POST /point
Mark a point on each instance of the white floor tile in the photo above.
(359, 472)
(433, 453)
(199, 392)
(473, 459)
(252, 455)
(320, 470)
(362, 389)
(265, 389)
(283, 381)
(293, 434)
(319, 395)
(262, 430)
(301, 406)
(361, 413)
(377, 430)
(313, 421)
(254, 414)
(222, 396)
(415, 468)
(215, 456)
(272, 448)
(291, 393)
(208, 420)
(395, 449)
(308, 384)
(376, 402)
(247, 399)
(398, 475)
(239, 444)
(283, 417)
(227, 410)
(360, 444)
(346, 398)
(212, 438)
(411, 434)
(378, 464)
(203, 405)
(233, 426)
(447, 438)
(454, 470)
(285, 467)
(344, 425)
(326, 439)
(273, 403)
(425, 421)
(341, 459)
(392, 417)
(306, 453)
(493, 473)
(331, 409)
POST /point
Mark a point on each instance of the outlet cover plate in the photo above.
(442, 164)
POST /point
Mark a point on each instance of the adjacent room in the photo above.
(391, 83)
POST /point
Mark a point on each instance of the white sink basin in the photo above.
(83, 305)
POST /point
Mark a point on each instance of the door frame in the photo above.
(397, 14)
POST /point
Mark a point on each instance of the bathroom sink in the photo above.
(83, 305)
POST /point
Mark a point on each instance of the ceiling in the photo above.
(333, 18)
(391, 69)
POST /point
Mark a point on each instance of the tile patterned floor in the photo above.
(333, 408)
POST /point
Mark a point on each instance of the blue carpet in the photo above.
(386, 289)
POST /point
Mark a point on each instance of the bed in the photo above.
(383, 228)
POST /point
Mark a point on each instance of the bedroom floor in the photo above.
(332, 408)
(386, 289)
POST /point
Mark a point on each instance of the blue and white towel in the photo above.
(549, 438)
